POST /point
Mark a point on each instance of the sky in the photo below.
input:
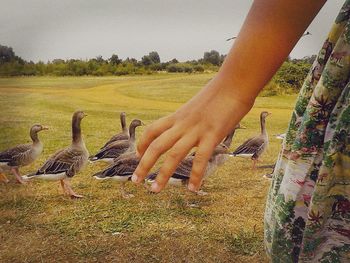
(49, 29)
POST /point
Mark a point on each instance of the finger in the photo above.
(160, 145)
(200, 162)
(152, 132)
(177, 153)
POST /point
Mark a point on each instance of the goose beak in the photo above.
(85, 115)
(44, 128)
(142, 123)
(269, 113)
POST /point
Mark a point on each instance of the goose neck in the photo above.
(132, 132)
(123, 122)
(228, 139)
(76, 131)
(262, 125)
(34, 136)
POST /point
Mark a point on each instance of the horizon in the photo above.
(123, 59)
(48, 30)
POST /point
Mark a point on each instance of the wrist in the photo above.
(234, 90)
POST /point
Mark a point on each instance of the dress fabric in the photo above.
(307, 216)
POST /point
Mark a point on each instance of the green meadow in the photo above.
(39, 224)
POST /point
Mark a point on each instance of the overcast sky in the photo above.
(49, 29)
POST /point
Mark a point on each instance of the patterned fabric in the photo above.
(307, 217)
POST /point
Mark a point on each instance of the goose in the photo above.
(255, 146)
(67, 162)
(115, 149)
(182, 173)
(272, 166)
(21, 155)
(124, 135)
(121, 171)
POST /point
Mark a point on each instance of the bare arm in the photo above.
(270, 31)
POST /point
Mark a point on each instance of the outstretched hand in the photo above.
(265, 39)
(202, 122)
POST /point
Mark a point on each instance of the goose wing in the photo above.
(122, 167)
(118, 137)
(183, 170)
(67, 160)
(250, 146)
(112, 150)
(16, 155)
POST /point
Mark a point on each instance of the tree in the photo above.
(6, 54)
(58, 61)
(174, 61)
(115, 60)
(146, 60)
(99, 59)
(131, 60)
(154, 56)
(151, 58)
(212, 57)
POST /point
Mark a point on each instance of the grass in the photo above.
(37, 223)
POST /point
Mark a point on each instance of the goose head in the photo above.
(264, 114)
(135, 123)
(34, 131)
(38, 128)
(78, 116)
(220, 149)
(240, 126)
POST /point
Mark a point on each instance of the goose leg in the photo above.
(254, 163)
(16, 173)
(69, 189)
(65, 191)
(124, 193)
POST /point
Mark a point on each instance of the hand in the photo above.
(202, 122)
(266, 38)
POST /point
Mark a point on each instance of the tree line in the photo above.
(289, 77)
(13, 65)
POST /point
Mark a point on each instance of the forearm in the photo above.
(269, 33)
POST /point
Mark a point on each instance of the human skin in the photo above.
(270, 31)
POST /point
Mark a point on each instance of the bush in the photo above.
(180, 67)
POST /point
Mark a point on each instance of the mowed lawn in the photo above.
(39, 224)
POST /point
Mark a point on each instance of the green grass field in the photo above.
(38, 223)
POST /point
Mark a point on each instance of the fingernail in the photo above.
(134, 178)
(192, 187)
(155, 188)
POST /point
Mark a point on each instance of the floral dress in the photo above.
(307, 216)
